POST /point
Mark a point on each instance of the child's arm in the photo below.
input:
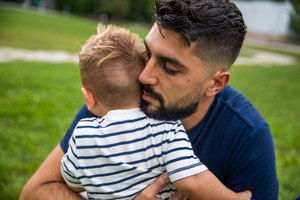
(206, 185)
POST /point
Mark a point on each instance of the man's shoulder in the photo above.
(84, 113)
(237, 107)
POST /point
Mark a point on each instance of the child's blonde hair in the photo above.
(110, 63)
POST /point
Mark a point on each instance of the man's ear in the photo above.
(218, 82)
(89, 97)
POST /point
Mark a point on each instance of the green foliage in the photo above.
(141, 10)
(136, 10)
(115, 10)
(295, 17)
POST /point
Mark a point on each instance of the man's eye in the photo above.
(169, 71)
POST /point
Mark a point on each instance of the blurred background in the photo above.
(275, 19)
(40, 86)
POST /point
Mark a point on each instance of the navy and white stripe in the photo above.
(118, 155)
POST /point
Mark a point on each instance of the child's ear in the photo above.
(89, 97)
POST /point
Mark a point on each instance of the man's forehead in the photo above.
(163, 36)
(153, 31)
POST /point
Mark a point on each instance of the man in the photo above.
(190, 49)
(120, 151)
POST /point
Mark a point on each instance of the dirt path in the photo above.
(10, 54)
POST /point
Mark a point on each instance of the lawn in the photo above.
(39, 100)
(34, 29)
(276, 94)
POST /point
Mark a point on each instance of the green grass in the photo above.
(33, 29)
(39, 100)
(276, 94)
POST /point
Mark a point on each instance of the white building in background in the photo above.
(266, 18)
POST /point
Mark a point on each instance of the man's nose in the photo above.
(149, 74)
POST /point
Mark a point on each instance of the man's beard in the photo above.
(184, 107)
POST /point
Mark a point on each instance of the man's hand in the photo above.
(246, 195)
(150, 192)
(178, 196)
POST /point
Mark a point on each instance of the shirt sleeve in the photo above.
(253, 165)
(180, 160)
(82, 113)
(69, 165)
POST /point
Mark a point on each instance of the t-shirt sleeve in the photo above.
(253, 165)
(82, 113)
(69, 165)
(180, 160)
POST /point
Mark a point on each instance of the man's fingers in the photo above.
(158, 184)
(150, 192)
(177, 196)
(246, 195)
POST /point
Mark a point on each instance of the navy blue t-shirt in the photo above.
(233, 141)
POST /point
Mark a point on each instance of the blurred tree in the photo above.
(141, 10)
(134, 10)
(13, 1)
(79, 7)
(114, 9)
(137, 10)
(295, 17)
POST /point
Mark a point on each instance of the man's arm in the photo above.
(206, 185)
(47, 182)
(201, 186)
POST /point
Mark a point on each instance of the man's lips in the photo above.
(147, 97)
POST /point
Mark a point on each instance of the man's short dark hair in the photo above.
(216, 26)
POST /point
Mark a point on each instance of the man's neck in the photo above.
(191, 121)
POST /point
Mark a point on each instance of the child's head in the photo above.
(110, 63)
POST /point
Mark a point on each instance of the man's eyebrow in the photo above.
(168, 59)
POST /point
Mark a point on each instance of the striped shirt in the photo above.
(118, 155)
